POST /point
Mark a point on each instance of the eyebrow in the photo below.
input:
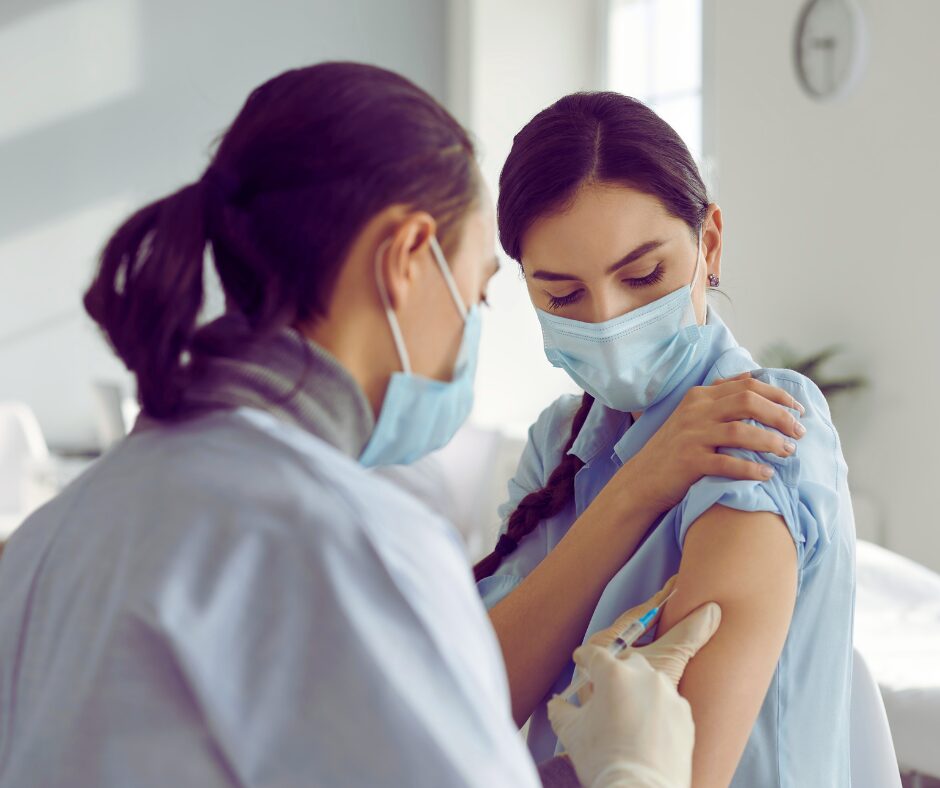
(636, 254)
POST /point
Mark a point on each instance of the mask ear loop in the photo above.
(389, 312)
(448, 277)
(698, 257)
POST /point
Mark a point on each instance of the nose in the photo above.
(606, 306)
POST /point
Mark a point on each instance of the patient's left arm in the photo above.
(746, 562)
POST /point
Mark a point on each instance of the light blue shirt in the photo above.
(235, 602)
(801, 737)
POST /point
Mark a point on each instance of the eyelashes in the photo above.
(556, 302)
(652, 278)
(655, 276)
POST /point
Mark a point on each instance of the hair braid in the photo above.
(541, 504)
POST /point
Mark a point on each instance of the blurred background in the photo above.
(818, 141)
(815, 123)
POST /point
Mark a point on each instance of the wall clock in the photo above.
(830, 47)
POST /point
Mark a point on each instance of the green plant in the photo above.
(783, 356)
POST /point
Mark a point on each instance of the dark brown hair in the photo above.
(581, 139)
(311, 157)
(541, 504)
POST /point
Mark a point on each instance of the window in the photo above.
(654, 53)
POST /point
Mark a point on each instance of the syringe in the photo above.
(630, 635)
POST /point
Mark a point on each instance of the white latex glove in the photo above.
(633, 728)
(671, 653)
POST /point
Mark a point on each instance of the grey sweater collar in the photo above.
(286, 375)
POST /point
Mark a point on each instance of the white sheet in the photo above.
(897, 629)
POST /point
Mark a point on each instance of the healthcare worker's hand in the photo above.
(672, 652)
(633, 728)
(684, 449)
(635, 731)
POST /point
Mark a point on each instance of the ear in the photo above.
(711, 240)
(405, 255)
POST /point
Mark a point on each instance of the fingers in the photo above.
(606, 636)
(743, 383)
(561, 714)
(695, 630)
(737, 468)
(586, 691)
(719, 381)
(602, 667)
(740, 435)
(672, 652)
(753, 405)
(589, 657)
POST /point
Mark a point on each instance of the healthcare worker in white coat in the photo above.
(230, 597)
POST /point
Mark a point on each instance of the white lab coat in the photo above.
(234, 602)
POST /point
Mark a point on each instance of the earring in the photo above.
(713, 280)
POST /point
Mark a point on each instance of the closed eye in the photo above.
(556, 302)
(655, 276)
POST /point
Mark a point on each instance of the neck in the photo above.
(354, 345)
(284, 374)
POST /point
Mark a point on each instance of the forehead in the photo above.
(601, 223)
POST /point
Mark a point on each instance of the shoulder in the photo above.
(290, 515)
(554, 422)
(246, 471)
(819, 452)
(807, 488)
(737, 361)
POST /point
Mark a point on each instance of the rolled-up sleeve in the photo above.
(803, 488)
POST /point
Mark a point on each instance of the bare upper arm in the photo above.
(745, 561)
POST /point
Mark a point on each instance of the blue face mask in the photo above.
(420, 414)
(630, 362)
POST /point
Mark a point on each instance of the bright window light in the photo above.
(654, 53)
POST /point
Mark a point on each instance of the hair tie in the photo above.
(505, 545)
(223, 183)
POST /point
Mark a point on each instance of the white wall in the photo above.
(831, 233)
(520, 57)
(107, 104)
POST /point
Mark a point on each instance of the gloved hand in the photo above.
(671, 653)
(633, 728)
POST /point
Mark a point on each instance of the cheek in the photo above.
(467, 277)
(433, 331)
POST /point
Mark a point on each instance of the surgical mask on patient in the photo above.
(630, 362)
(420, 414)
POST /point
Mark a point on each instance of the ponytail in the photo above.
(314, 154)
(148, 291)
(541, 504)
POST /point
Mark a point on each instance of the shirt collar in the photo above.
(600, 425)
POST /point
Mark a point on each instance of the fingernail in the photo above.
(799, 406)
(799, 429)
(767, 471)
(788, 447)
